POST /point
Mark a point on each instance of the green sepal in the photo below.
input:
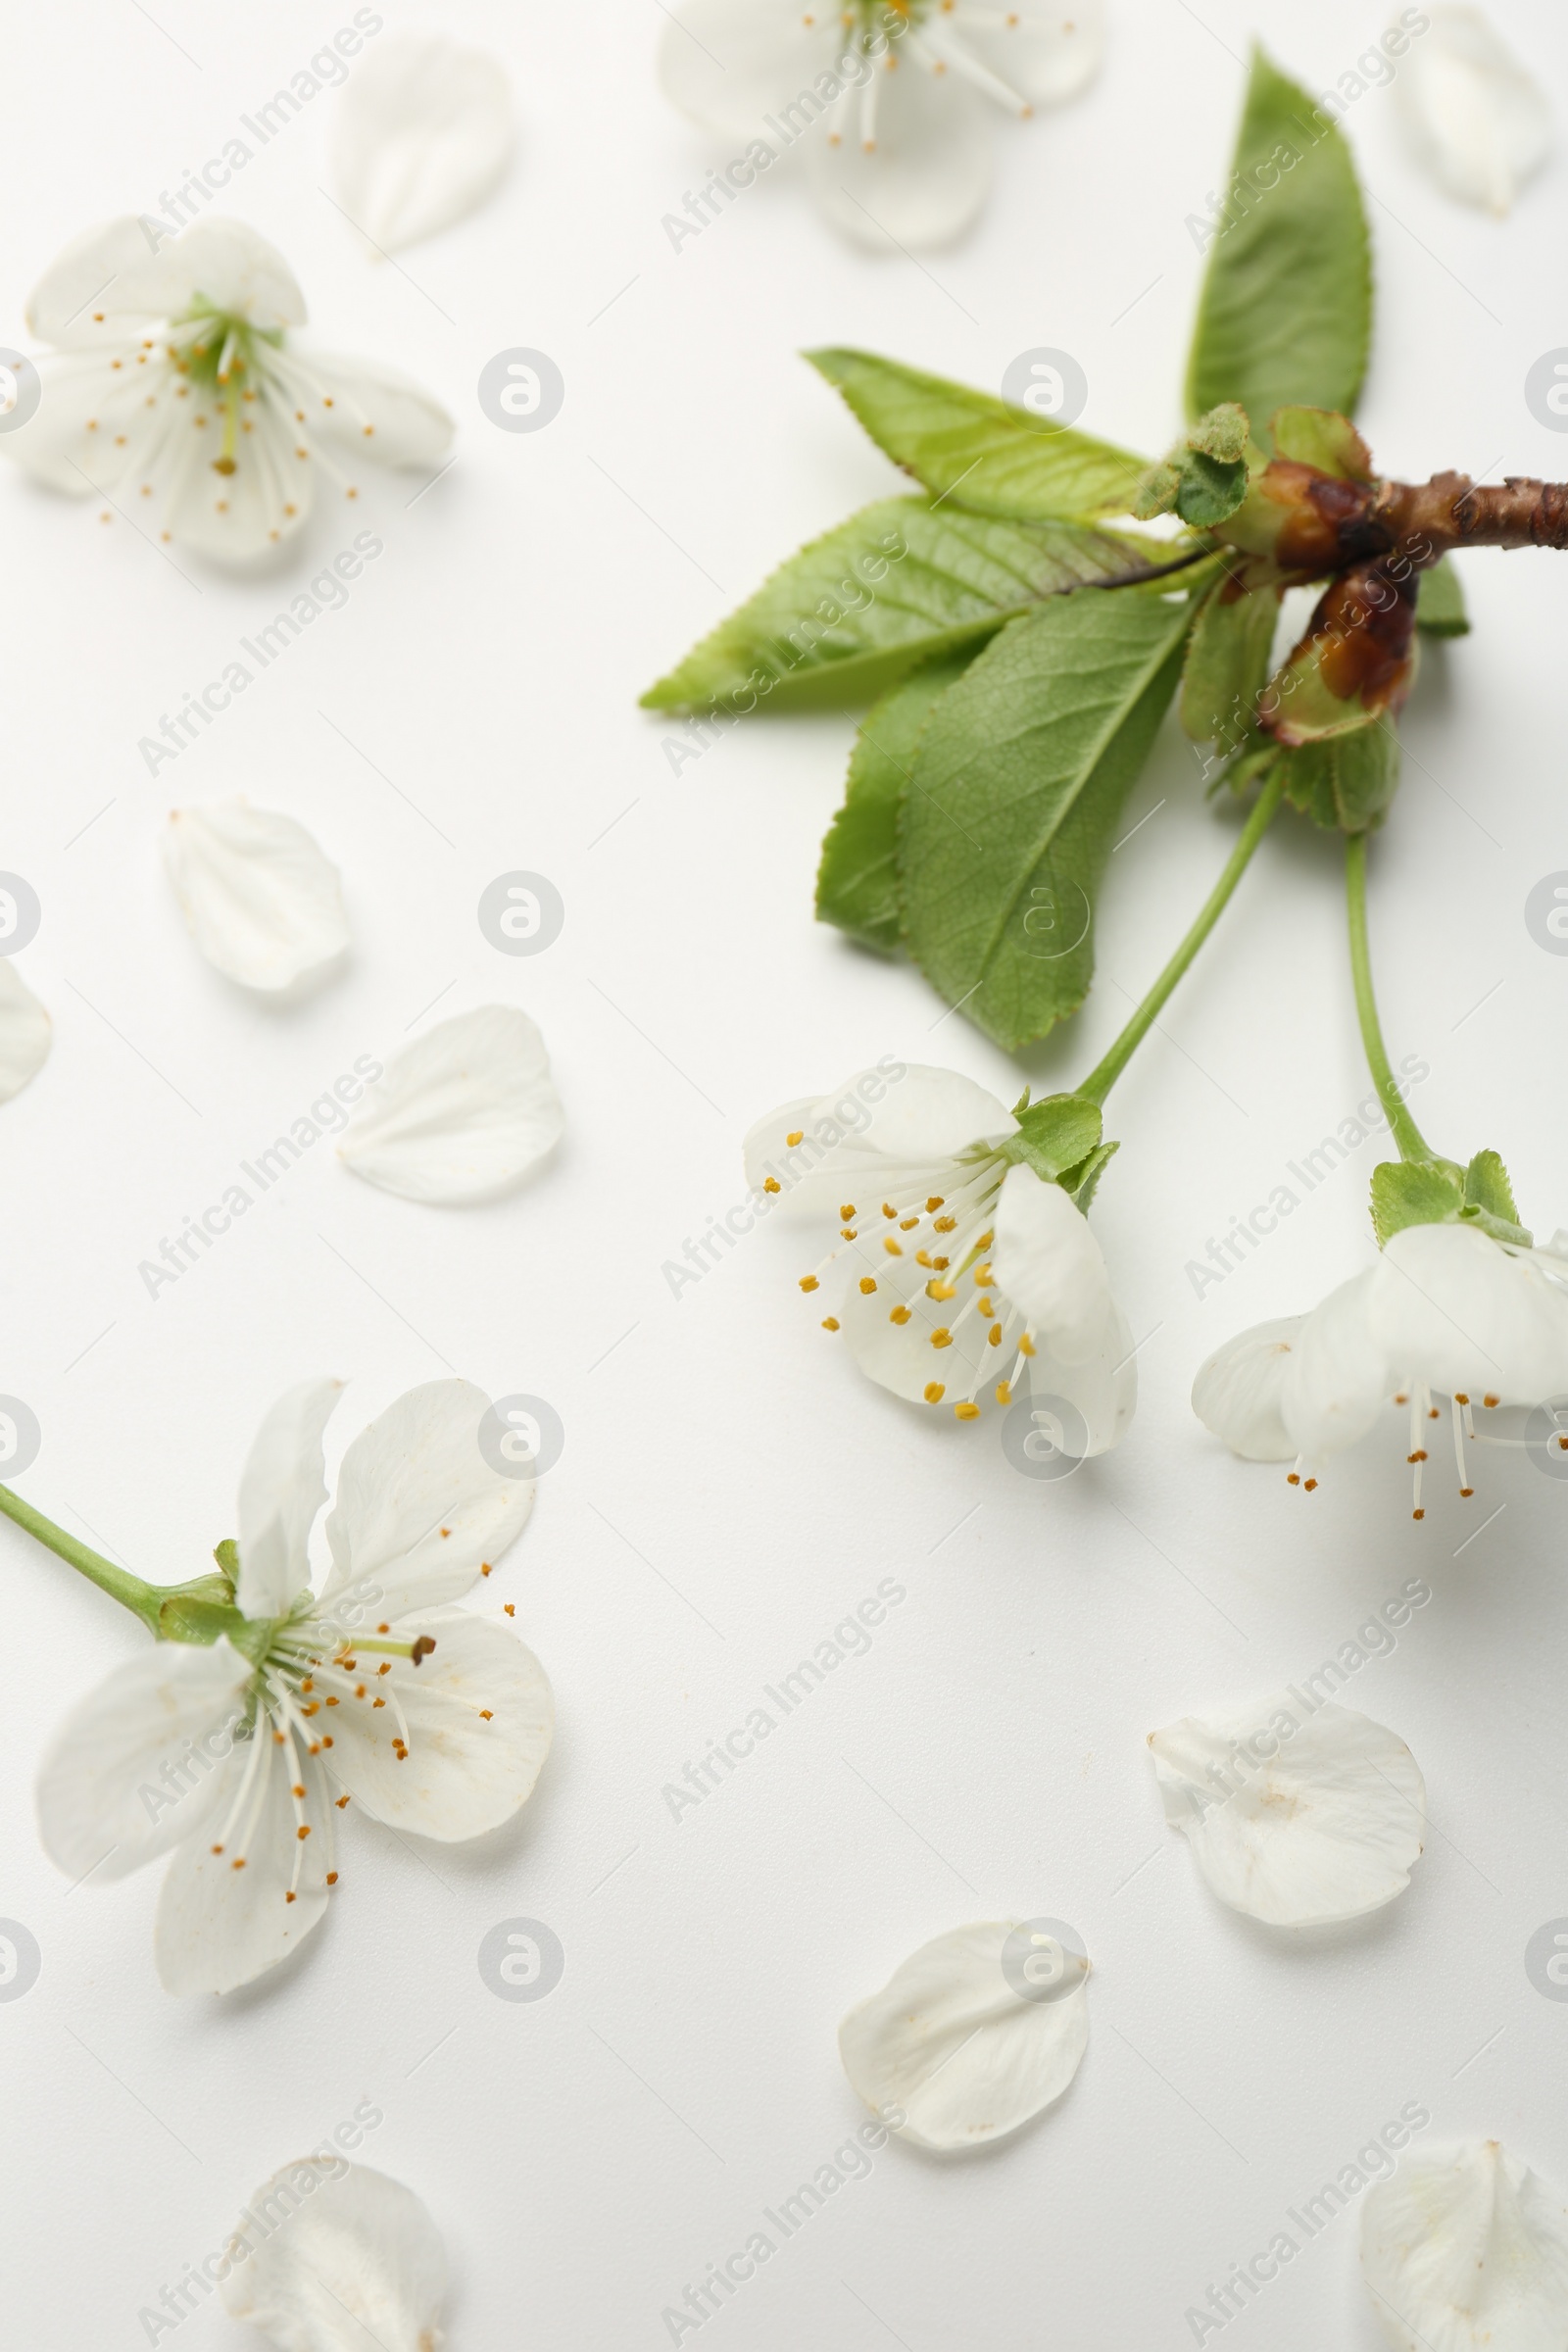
(1324, 438)
(1079, 1183)
(226, 1554)
(1210, 489)
(1440, 601)
(1414, 1191)
(1345, 783)
(1488, 1201)
(1057, 1133)
(1203, 477)
(200, 1617)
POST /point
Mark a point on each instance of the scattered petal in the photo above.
(461, 1116)
(24, 1031)
(263, 904)
(1238, 1392)
(1466, 2250)
(1481, 121)
(953, 2042)
(1297, 1815)
(422, 135)
(361, 2263)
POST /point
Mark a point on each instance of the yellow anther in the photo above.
(942, 1337)
(830, 1322)
(994, 1335)
(1004, 1392)
(935, 1201)
(798, 1137)
(847, 1210)
(943, 1224)
(889, 1211)
(1026, 1345)
(934, 1392)
(894, 1249)
(808, 1282)
(984, 1278)
(967, 1412)
(849, 1233)
(771, 1184)
(867, 1286)
(923, 1258)
(940, 1290)
(899, 1314)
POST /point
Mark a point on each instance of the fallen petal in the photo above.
(261, 901)
(24, 1031)
(339, 2259)
(422, 135)
(461, 1116)
(973, 2034)
(1480, 120)
(1237, 1391)
(1296, 1814)
(1466, 2250)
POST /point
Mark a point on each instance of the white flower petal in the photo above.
(263, 904)
(235, 517)
(729, 62)
(1326, 1825)
(1480, 120)
(1049, 1264)
(883, 1119)
(364, 409)
(342, 2260)
(952, 2043)
(225, 1918)
(421, 135)
(420, 1510)
(1237, 1391)
(1452, 1308)
(281, 1488)
(24, 1031)
(1101, 1389)
(1466, 2250)
(899, 1355)
(119, 274)
(463, 1114)
(1046, 50)
(479, 1721)
(925, 178)
(124, 1776)
(1336, 1379)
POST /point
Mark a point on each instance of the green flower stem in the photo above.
(132, 1592)
(1403, 1129)
(1104, 1076)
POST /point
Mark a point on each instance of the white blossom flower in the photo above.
(461, 1116)
(1481, 123)
(261, 901)
(24, 1031)
(237, 1756)
(1297, 1811)
(1446, 1313)
(175, 380)
(934, 1208)
(331, 2257)
(421, 135)
(972, 2034)
(887, 94)
(1466, 2250)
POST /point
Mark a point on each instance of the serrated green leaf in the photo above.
(900, 583)
(1019, 783)
(1347, 783)
(857, 880)
(1413, 1191)
(993, 458)
(1440, 601)
(1323, 438)
(1082, 1182)
(1055, 1133)
(1285, 316)
(1209, 489)
(1227, 664)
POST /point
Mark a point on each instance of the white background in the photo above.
(729, 1488)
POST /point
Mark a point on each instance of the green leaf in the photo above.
(898, 584)
(857, 880)
(1440, 601)
(1055, 1133)
(1209, 489)
(993, 458)
(1018, 786)
(1413, 1191)
(1345, 783)
(1285, 316)
(1227, 664)
(1323, 438)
